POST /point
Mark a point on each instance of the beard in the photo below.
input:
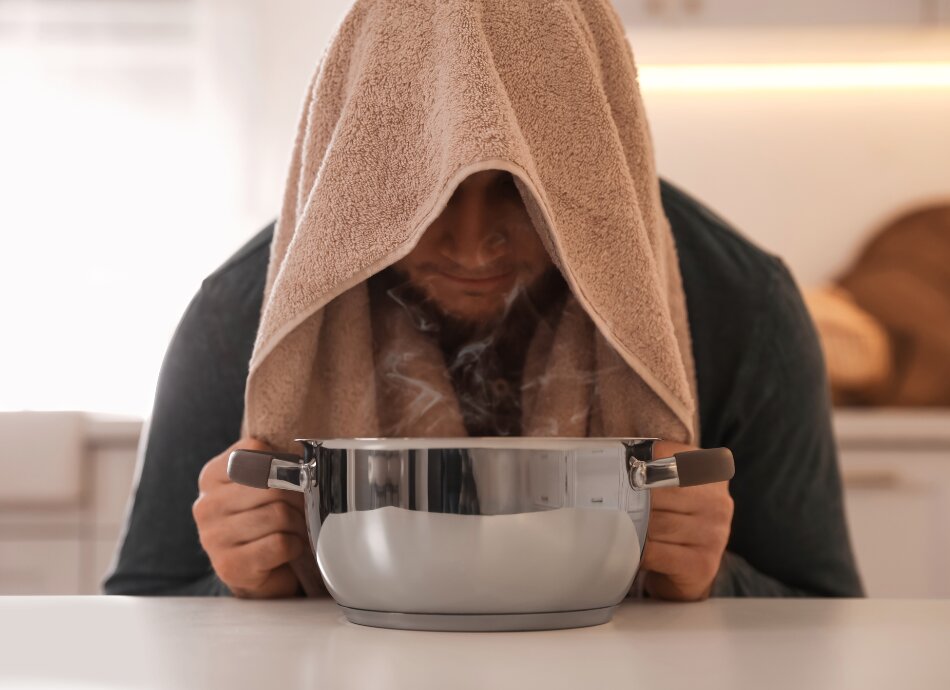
(484, 357)
(515, 317)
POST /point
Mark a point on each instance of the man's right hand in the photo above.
(250, 535)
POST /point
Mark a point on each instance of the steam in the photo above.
(426, 397)
(483, 360)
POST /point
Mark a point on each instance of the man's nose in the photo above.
(473, 240)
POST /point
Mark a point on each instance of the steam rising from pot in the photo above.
(484, 360)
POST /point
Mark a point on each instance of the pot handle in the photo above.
(686, 468)
(266, 470)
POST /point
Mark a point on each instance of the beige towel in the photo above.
(408, 100)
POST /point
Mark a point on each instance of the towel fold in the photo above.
(408, 100)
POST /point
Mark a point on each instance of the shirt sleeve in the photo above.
(789, 534)
(196, 415)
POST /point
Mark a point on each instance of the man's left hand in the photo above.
(687, 535)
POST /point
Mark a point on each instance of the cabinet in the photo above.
(40, 566)
(800, 13)
(896, 471)
(66, 546)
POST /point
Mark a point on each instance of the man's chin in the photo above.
(473, 316)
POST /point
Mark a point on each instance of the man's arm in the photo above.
(789, 535)
(196, 415)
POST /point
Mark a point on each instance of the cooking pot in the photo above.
(490, 533)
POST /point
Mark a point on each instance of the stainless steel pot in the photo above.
(491, 533)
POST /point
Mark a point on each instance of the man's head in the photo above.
(480, 252)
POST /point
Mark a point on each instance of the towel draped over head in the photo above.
(408, 100)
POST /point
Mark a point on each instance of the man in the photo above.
(474, 241)
(762, 394)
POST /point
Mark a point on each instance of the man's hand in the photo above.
(687, 535)
(250, 535)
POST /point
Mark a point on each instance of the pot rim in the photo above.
(557, 443)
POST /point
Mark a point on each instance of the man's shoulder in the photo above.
(248, 261)
(747, 319)
(231, 296)
(714, 255)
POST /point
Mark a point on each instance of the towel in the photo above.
(407, 101)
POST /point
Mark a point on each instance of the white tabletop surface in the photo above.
(125, 642)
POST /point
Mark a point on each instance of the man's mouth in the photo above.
(486, 281)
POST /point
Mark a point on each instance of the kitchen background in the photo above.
(143, 141)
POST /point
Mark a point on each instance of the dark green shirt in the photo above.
(762, 393)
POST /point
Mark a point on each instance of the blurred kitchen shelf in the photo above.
(66, 547)
(103, 429)
(775, 45)
(98, 33)
(755, 13)
(96, 17)
(893, 428)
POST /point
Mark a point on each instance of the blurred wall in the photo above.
(807, 174)
(260, 57)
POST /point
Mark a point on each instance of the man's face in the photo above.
(481, 250)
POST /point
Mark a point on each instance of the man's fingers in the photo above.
(250, 525)
(280, 582)
(670, 559)
(678, 572)
(685, 529)
(270, 552)
(227, 500)
(666, 449)
(215, 470)
(690, 500)
(230, 499)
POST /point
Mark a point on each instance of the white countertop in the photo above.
(128, 642)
